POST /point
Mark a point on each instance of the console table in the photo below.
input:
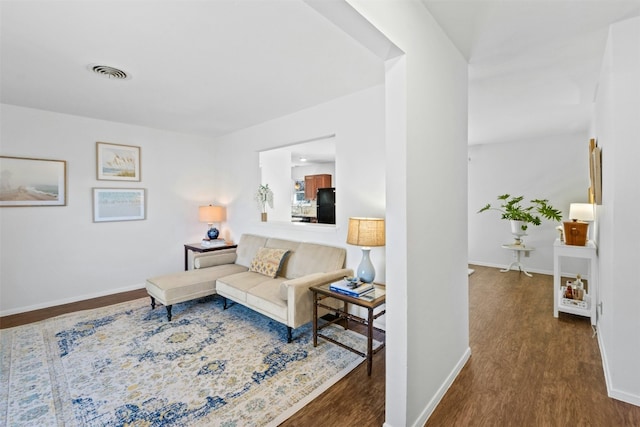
(370, 303)
(197, 247)
(589, 252)
(517, 250)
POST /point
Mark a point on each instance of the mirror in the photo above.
(294, 173)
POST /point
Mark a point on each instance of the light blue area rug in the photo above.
(126, 365)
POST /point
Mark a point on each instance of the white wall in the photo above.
(554, 168)
(54, 255)
(358, 123)
(618, 134)
(427, 302)
(298, 173)
(275, 171)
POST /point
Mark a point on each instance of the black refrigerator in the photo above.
(326, 205)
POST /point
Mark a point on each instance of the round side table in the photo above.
(517, 250)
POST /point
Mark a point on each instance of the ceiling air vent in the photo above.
(109, 72)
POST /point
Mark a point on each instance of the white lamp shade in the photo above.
(211, 214)
(581, 211)
(366, 232)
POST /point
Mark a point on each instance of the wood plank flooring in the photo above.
(527, 368)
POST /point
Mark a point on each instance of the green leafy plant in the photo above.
(511, 208)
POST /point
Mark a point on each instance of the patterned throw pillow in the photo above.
(267, 261)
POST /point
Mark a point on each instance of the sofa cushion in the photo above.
(235, 286)
(205, 260)
(265, 299)
(267, 261)
(185, 285)
(315, 258)
(248, 247)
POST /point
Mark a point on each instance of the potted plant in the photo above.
(264, 197)
(522, 215)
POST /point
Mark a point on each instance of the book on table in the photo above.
(350, 288)
(213, 242)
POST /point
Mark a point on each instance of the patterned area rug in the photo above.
(126, 365)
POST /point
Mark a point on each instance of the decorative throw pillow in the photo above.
(267, 261)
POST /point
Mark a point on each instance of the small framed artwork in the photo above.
(32, 182)
(116, 162)
(118, 204)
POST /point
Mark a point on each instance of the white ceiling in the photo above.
(199, 67)
(212, 67)
(533, 65)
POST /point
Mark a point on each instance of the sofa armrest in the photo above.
(210, 259)
(299, 299)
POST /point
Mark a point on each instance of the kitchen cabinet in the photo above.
(313, 182)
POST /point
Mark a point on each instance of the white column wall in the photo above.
(426, 185)
(618, 132)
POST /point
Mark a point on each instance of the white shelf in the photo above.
(570, 307)
(589, 252)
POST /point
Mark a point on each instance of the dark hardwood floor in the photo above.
(45, 313)
(527, 368)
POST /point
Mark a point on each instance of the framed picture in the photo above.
(32, 182)
(118, 204)
(117, 162)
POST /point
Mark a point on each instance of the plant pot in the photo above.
(516, 227)
(263, 216)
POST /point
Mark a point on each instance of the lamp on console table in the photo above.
(366, 232)
(211, 214)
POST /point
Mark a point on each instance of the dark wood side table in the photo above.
(197, 247)
(370, 303)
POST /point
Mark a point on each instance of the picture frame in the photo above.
(117, 162)
(26, 181)
(119, 204)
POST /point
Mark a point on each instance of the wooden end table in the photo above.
(370, 303)
(197, 247)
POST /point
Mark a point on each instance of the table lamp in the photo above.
(211, 214)
(366, 232)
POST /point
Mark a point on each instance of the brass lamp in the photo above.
(366, 232)
(211, 214)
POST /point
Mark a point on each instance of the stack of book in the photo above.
(353, 289)
(213, 242)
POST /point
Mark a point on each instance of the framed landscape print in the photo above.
(117, 162)
(32, 182)
(118, 204)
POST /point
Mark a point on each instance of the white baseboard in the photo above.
(70, 300)
(612, 392)
(501, 266)
(431, 406)
(624, 397)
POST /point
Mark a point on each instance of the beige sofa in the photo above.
(244, 275)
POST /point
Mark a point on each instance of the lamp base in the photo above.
(366, 273)
(213, 233)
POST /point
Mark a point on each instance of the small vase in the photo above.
(263, 217)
